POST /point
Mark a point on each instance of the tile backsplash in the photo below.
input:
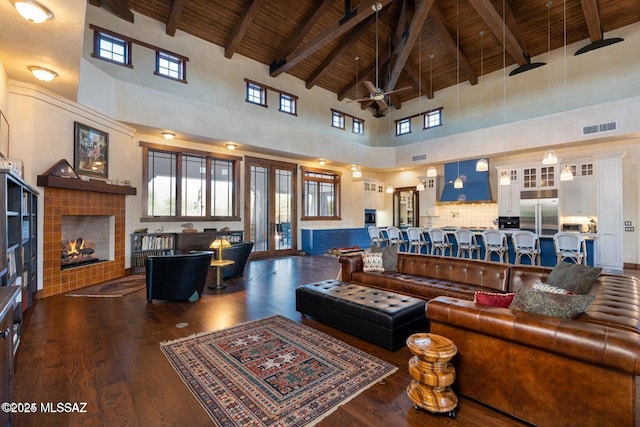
(464, 215)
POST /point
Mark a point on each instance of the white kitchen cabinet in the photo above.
(544, 177)
(609, 244)
(509, 195)
(373, 194)
(428, 198)
(578, 196)
(380, 194)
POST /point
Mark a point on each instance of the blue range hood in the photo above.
(477, 187)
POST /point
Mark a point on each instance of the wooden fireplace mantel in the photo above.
(78, 184)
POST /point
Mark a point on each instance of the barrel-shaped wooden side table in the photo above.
(432, 373)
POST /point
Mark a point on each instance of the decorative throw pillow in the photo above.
(372, 262)
(544, 287)
(577, 278)
(493, 299)
(556, 305)
(389, 256)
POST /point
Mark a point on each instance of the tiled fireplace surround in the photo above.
(59, 202)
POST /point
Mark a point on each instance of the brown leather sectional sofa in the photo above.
(543, 370)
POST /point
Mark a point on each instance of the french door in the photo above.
(270, 206)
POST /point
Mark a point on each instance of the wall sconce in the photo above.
(168, 135)
(389, 189)
(32, 11)
(43, 74)
(220, 244)
(355, 171)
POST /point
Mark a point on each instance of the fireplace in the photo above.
(86, 239)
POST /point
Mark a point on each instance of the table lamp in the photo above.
(220, 244)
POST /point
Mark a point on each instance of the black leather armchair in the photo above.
(238, 252)
(177, 277)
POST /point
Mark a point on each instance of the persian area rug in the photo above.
(113, 288)
(272, 372)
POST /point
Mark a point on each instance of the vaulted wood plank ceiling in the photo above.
(432, 44)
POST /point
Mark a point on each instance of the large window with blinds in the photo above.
(182, 184)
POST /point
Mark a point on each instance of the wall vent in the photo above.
(602, 127)
(419, 158)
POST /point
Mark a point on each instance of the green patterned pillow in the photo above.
(372, 262)
(550, 304)
(576, 278)
(389, 256)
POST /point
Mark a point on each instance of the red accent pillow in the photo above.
(493, 299)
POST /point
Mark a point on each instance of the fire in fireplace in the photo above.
(77, 252)
(86, 239)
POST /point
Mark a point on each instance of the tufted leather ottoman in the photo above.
(381, 317)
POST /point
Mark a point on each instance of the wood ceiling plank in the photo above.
(499, 28)
(317, 11)
(422, 10)
(118, 8)
(174, 17)
(363, 11)
(414, 74)
(346, 44)
(452, 46)
(592, 16)
(242, 27)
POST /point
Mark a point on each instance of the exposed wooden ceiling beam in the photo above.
(174, 17)
(413, 73)
(497, 26)
(242, 27)
(364, 75)
(592, 17)
(450, 43)
(316, 12)
(422, 10)
(117, 7)
(346, 44)
(513, 26)
(363, 11)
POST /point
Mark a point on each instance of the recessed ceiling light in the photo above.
(168, 135)
(322, 162)
(43, 74)
(231, 146)
(32, 11)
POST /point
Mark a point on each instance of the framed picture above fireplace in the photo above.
(91, 151)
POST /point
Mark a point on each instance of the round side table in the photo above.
(432, 373)
(219, 265)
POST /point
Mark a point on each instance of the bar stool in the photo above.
(526, 243)
(495, 241)
(416, 239)
(394, 237)
(375, 234)
(439, 241)
(466, 241)
(570, 246)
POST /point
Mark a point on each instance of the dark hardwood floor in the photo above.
(105, 352)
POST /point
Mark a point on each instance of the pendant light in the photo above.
(482, 165)
(356, 172)
(458, 183)
(420, 186)
(505, 179)
(550, 157)
(566, 174)
(390, 188)
(432, 172)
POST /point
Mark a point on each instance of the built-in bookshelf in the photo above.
(144, 245)
(18, 242)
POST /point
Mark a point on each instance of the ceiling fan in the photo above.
(375, 93)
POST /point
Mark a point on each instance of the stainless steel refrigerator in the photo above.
(539, 212)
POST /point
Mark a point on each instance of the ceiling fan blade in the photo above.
(383, 105)
(402, 89)
(359, 99)
(370, 86)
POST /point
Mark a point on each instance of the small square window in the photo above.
(358, 126)
(170, 66)
(288, 104)
(112, 48)
(433, 118)
(403, 126)
(337, 120)
(256, 94)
